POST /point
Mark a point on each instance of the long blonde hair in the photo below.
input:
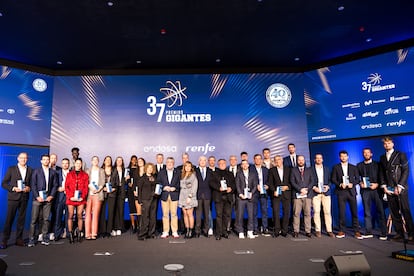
(184, 173)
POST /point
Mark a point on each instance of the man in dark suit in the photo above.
(291, 160)
(345, 177)
(60, 201)
(203, 174)
(280, 189)
(159, 165)
(44, 185)
(322, 196)
(246, 186)
(53, 165)
(169, 178)
(223, 186)
(17, 183)
(394, 181)
(260, 196)
(369, 172)
(302, 180)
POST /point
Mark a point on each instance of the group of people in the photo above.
(84, 195)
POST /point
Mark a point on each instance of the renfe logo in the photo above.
(203, 148)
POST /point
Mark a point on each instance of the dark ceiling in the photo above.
(138, 36)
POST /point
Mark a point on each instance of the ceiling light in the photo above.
(163, 31)
(139, 62)
(297, 59)
(218, 60)
(1, 14)
(341, 8)
(110, 3)
(59, 62)
(368, 39)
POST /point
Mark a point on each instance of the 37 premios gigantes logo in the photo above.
(173, 96)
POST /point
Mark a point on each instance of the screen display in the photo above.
(367, 97)
(25, 107)
(207, 114)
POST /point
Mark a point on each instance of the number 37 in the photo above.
(152, 110)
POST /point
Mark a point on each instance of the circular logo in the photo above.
(278, 95)
(39, 85)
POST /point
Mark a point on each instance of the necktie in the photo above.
(203, 173)
(293, 161)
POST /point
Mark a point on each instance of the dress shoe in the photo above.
(295, 234)
(3, 245)
(218, 238)
(284, 234)
(309, 235)
(318, 234)
(20, 242)
(331, 235)
(275, 235)
(226, 236)
(397, 237)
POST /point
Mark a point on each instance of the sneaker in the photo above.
(255, 233)
(383, 237)
(64, 234)
(367, 236)
(358, 236)
(266, 233)
(340, 235)
(40, 238)
(113, 233)
(210, 232)
(241, 235)
(46, 242)
(251, 235)
(52, 236)
(164, 235)
(118, 232)
(175, 235)
(31, 243)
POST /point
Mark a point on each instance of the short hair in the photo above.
(170, 158)
(257, 154)
(263, 150)
(66, 159)
(74, 149)
(291, 144)
(244, 160)
(343, 152)
(367, 148)
(149, 165)
(159, 154)
(387, 139)
(221, 159)
(318, 153)
(44, 155)
(212, 156)
(243, 152)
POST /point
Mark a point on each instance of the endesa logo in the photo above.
(371, 126)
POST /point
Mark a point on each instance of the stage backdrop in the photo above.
(200, 114)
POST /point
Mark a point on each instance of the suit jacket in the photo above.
(275, 180)
(265, 177)
(252, 182)
(10, 181)
(119, 185)
(101, 182)
(336, 178)
(326, 178)
(288, 162)
(39, 182)
(215, 185)
(298, 182)
(162, 178)
(395, 171)
(146, 188)
(204, 190)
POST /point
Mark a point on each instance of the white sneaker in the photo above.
(64, 234)
(40, 238)
(164, 235)
(113, 233)
(250, 235)
(118, 232)
(52, 236)
(175, 235)
(241, 235)
(210, 232)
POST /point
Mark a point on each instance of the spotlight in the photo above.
(218, 60)
(110, 4)
(297, 59)
(163, 31)
(341, 8)
(368, 39)
(59, 62)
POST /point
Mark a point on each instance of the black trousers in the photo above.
(286, 206)
(396, 204)
(102, 216)
(148, 218)
(119, 210)
(202, 209)
(14, 206)
(223, 215)
(343, 198)
(111, 213)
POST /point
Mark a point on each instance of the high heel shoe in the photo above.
(80, 236)
(70, 236)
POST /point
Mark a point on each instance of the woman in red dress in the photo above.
(76, 187)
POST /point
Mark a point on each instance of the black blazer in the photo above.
(215, 185)
(326, 178)
(252, 182)
(203, 191)
(10, 181)
(298, 183)
(395, 171)
(275, 180)
(288, 162)
(39, 182)
(119, 185)
(162, 178)
(146, 188)
(336, 178)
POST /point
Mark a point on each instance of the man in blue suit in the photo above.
(261, 195)
(169, 178)
(44, 185)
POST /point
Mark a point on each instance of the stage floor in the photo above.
(125, 255)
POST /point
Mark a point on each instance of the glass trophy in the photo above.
(247, 193)
(279, 190)
(108, 187)
(321, 188)
(95, 185)
(366, 182)
(63, 184)
(262, 188)
(158, 189)
(223, 184)
(77, 194)
(126, 172)
(299, 195)
(391, 189)
(20, 184)
(345, 179)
